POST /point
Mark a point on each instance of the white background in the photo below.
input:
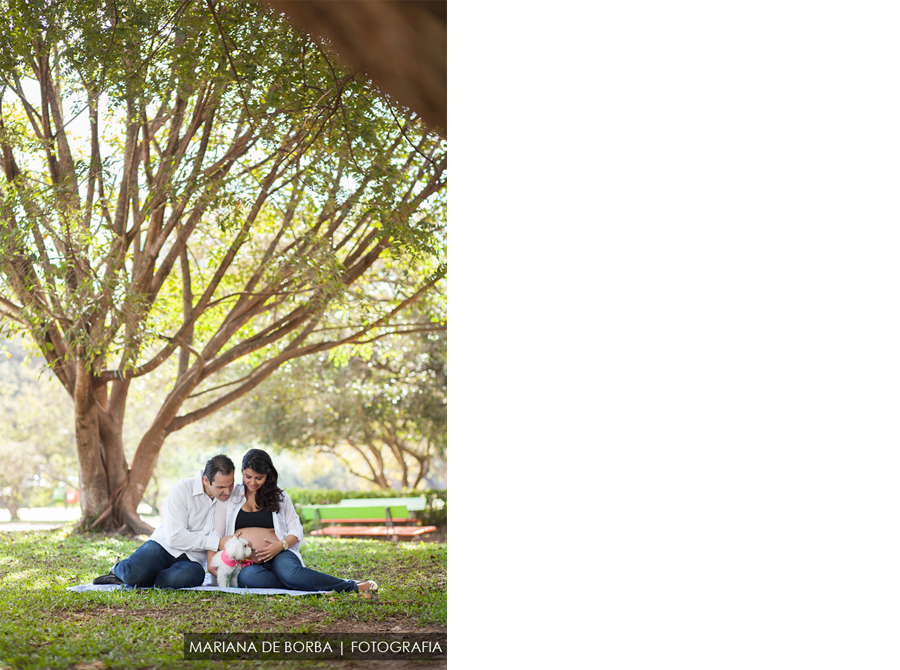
(675, 335)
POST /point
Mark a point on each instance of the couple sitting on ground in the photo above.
(204, 511)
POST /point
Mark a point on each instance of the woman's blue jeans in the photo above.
(285, 571)
(151, 565)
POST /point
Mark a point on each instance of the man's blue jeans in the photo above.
(151, 565)
(285, 571)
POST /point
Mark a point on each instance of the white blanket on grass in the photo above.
(208, 585)
(230, 589)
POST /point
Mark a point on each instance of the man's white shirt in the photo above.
(187, 525)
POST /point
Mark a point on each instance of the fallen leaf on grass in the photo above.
(96, 665)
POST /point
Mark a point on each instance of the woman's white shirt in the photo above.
(286, 521)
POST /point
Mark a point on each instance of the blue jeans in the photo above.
(151, 565)
(285, 571)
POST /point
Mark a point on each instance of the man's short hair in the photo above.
(219, 464)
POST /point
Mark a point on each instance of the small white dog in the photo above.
(230, 561)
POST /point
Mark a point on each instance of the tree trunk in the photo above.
(378, 470)
(389, 437)
(402, 45)
(106, 503)
(94, 493)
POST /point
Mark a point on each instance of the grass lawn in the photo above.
(44, 626)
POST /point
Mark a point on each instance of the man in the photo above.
(175, 555)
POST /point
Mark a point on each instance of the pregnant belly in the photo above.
(257, 537)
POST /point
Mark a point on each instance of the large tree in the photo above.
(382, 409)
(190, 185)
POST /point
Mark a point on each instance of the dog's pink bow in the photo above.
(226, 559)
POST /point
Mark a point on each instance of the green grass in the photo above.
(44, 626)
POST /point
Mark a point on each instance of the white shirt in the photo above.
(286, 521)
(188, 520)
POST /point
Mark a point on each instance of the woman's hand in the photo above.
(270, 551)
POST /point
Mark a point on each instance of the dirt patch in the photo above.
(312, 619)
(385, 665)
(298, 620)
(392, 625)
(93, 613)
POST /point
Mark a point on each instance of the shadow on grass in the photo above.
(44, 626)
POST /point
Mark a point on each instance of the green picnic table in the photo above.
(346, 519)
(412, 504)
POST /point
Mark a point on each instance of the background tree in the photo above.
(236, 199)
(37, 443)
(381, 409)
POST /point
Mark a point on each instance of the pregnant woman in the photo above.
(263, 514)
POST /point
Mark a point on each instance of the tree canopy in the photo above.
(382, 410)
(191, 188)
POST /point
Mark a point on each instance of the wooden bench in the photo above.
(345, 520)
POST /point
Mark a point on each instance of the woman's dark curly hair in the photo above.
(269, 495)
